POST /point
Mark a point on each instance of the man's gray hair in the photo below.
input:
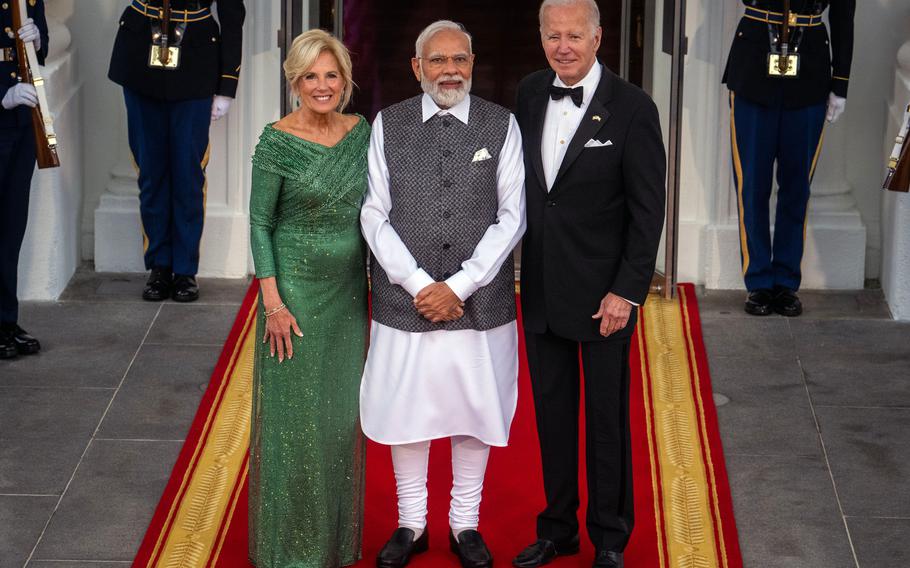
(591, 5)
(436, 27)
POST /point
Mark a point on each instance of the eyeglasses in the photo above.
(438, 61)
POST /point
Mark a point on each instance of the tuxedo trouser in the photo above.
(170, 145)
(469, 464)
(17, 165)
(760, 137)
(554, 365)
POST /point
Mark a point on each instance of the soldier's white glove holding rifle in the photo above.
(29, 32)
(21, 94)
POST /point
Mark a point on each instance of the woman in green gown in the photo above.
(306, 447)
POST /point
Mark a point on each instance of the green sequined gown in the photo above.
(306, 447)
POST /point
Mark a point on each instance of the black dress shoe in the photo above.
(398, 550)
(543, 552)
(608, 559)
(185, 288)
(471, 550)
(25, 343)
(786, 302)
(158, 286)
(7, 345)
(758, 303)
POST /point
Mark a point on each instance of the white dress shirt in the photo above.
(561, 122)
(423, 386)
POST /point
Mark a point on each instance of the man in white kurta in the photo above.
(446, 178)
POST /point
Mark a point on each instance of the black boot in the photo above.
(185, 288)
(786, 302)
(7, 345)
(25, 343)
(758, 303)
(159, 284)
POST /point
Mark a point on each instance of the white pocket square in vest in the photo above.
(481, 155)
(592, 143)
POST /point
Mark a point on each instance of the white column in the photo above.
(50, 251)
(896, 206)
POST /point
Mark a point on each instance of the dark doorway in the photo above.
(381, 35)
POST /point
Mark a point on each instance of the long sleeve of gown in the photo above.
(263, 218)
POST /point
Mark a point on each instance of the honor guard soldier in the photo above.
(179, 69)
(786, 76)
(17, 164)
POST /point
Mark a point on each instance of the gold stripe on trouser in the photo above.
(205, 188)
(738, 167)
(818, 151)
(145, 237)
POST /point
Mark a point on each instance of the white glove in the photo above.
(20, 94)
(220, 106)
(836, 106)
(29, 32)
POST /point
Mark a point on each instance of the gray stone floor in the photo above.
(814, 432)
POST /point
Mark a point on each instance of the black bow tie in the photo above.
(575, 94)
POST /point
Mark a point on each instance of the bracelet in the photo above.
(274, 311)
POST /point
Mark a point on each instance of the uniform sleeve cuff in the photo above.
(839, 86)
(417, 282)
(462, 285)
(629, 301)
(227, 86)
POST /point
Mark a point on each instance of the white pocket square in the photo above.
(592, 143)
(481, 155)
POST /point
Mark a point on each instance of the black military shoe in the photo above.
(543, 552)
(607, 559)
(7, 345)
(786, 302)
(398, 550)
(158, 286)
(758, 303)
(25, 343)
(471, 550)
(185, 288)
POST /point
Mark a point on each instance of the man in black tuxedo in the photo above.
(595, 183)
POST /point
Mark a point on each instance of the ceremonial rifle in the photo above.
(29, 72)
(164, 53)
(899, 164)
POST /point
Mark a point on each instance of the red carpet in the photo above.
(683, 513)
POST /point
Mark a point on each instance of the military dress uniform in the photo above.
(168, 118)
(17, 164)
(780, 119)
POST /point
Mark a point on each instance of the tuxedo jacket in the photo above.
(210, 57)
(9, 70)
(598, 228)
(825, 60)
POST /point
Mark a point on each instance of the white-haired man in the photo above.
(444, 210)
(595, 195)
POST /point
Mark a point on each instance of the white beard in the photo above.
(445, 98)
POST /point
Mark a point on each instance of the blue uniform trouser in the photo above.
(170, 145)
(17, 164)
(760, 137)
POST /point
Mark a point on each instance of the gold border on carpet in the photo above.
(689, 497)
(219, 461)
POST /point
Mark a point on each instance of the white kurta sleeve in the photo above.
(383, 240)
(500, 238)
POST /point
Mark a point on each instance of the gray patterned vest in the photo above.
(442, 204)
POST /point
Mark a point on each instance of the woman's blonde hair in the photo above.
(307, 47)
